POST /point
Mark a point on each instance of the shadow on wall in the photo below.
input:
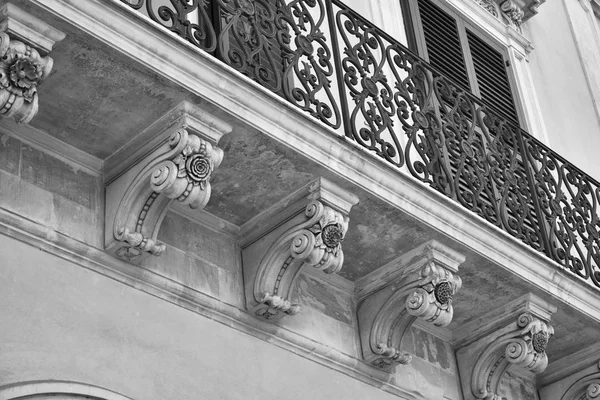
(57, 390)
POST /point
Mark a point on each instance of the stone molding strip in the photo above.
(33, 389)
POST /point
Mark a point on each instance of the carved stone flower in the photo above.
(540, 341)
(25, 75)
(329, 237)
(199, 167)
(332, 235)
(443, 292)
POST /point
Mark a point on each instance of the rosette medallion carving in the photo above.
(423, 290)
(309, 232)
(25, 42)
(178, 170)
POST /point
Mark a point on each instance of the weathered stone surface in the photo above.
(324, 297)
(433, 350)
(213, 247)
(57, 177)
(515, 387)
(10, 154)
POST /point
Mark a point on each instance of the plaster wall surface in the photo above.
(565, 100)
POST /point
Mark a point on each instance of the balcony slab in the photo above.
(132, 71)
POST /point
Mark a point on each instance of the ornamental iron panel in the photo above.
(351, 76)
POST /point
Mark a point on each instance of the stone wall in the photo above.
(50, 191)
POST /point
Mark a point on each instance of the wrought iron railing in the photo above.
(351, 76)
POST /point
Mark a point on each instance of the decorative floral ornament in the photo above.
(25, 75)
(186, 177)
(21, 70)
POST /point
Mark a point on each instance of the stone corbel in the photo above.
(514, 337)
(513, 12)
(586, 387)
(177, 167)
(519, 11)
(422, 288)
(24, 40)
(305, 229)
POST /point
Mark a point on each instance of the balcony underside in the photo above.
(99, 98)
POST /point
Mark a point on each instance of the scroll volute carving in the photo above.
(179, 169)
(585, 388)
(424, 289)
(514, 335)
(524, 346)
(307, 231)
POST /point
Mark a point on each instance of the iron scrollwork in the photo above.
(372, 119)
(308, 59)
(343, 71)
(198, 29)
(568, 203)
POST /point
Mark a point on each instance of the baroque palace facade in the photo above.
(299, 199)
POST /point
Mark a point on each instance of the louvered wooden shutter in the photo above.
(443, 43)
(442, 33)
(490, 71)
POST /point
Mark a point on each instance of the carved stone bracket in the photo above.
(177, 167)
(23, 41)
(515, 336)
(307, 228)
(423, 287)
(586, 388)
(518, 11)
(513, 12)
(586, 385)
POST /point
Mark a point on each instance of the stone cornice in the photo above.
(131, 33)
(97, 260)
